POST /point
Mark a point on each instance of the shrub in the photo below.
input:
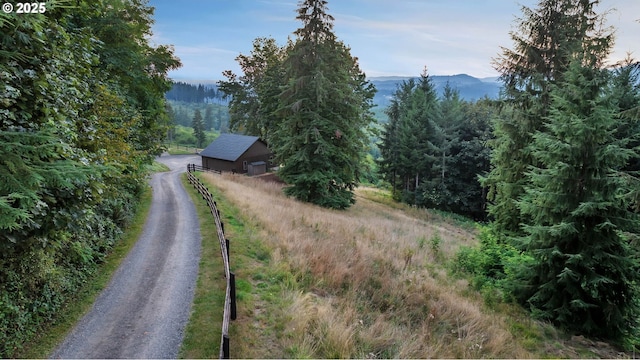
(494, 265)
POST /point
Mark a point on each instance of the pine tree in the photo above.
(547, 39)
(198, 128)
(324, 109)
(208, 117)
(389, 163)
(585, 277)
(626, 87)
(418, 138)
(464, 154)
(438, 192)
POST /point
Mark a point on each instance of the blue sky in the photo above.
(389, 37)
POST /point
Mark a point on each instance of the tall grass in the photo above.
(370, 281)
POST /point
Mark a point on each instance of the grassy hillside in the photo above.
(374, 281)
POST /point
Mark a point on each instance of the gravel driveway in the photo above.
(144, 309)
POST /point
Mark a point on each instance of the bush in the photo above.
(494, 265)
(41, 273)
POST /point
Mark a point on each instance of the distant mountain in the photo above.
(470, 88)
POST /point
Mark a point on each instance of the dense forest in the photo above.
(433, 148)
(552, 164)
(83, 111)
(189, 93)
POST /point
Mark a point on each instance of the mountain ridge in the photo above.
(470, 88)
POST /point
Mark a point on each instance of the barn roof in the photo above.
(229, 146)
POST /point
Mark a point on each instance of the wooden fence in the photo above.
(194, 167)
(230, 297)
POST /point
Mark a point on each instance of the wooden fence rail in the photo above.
(230, 301)
(194, 167)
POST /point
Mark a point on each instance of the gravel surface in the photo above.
(144, 309)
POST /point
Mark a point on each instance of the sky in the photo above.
(389, 37)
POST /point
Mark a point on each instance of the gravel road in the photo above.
(144, 309)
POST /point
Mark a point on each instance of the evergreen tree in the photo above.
(585, 275)
(418, 138)
(198, 128)
(389, 163)
(208, 117)
(546, 40)
(465, 155)
(437, 192)
(626, 88)
(324, 107)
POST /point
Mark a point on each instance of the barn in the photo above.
(237, 153)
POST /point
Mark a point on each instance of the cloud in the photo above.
(389, 37)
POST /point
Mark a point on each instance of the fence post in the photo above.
(226, 242)
(232, 294)
(225, 346)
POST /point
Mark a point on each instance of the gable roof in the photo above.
(229, 146)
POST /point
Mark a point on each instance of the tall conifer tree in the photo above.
(198, 128)
(585, 276)
(389, 163)
(547, 39)
(418, 137)
(322, 137)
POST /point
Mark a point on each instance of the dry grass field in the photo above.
(369, 282)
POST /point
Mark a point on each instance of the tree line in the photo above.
(432, 149)
(83, 112)
(552, 165)
(185, 92)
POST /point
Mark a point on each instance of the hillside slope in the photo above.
(369, 282)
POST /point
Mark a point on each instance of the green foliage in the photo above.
(494, 265)
(435, 244)
(254, 95)
(324, 108)
(216, 116)
(184, 136)
(198, 129)
(585, 277)
(82, 110)
(547, 39)
(410, 138)
(433, 150)
(464, 155)
(311, 103)
(560, 184)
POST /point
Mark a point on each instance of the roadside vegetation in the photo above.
(83, 114)
(51, 334)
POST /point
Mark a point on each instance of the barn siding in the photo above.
(256, 152)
